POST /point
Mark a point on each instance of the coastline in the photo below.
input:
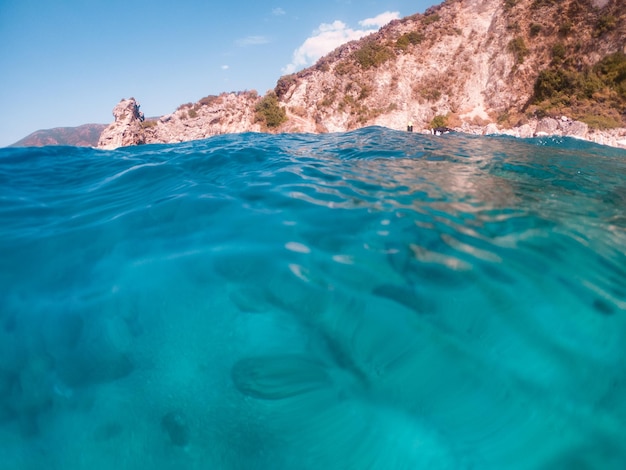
(563, 127)
(129, 129)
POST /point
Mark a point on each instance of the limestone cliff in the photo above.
(126, 129)
(515, 66)
(212, 115)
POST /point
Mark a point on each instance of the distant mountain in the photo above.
(86, 135)
(526, 67)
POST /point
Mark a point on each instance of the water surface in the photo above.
(367, 300)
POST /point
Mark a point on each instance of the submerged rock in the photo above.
(175, 425)
(61, 333)
(7, 381)
(102, 354)
(34, 385)
(108, 431)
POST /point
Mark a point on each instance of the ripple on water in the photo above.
(372, 299)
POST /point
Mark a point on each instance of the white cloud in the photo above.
(225, 67)
(329, 36)
(380, 20)
(252, 41)
(278, 12)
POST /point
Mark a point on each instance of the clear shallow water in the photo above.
(374, 299)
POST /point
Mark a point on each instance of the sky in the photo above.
(69, 62)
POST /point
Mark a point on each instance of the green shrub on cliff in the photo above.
(550, 83)
(439, 121)
(594, 95)
(558, 52)
(508, 4)
(409, 38)
(269, 111)
(518, 47)
(372, 54)
(600, 122)
(560, 86)
(535, 29)
(542, 3)
(208, 100)
(430, 19)
(605, 24)
(284, 84)
(565, 28)
(612, 71)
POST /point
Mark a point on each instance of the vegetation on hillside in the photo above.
(269, 112)
(406, 39)
(595, 95)
(439, 121)
(518, 48)
(283, 85)
(148, 124)
(551, 44)
(372, 54)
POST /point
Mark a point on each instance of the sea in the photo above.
(374, 299)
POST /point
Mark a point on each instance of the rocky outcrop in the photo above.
(473, 63)
(224, 114)
(127, 129)
(562, 127)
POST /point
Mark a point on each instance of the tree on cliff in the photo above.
(269, 111)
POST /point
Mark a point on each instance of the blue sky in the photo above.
(69, 62)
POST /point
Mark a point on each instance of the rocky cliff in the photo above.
(127, 129)
(516, 66)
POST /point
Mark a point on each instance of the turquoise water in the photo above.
(368, 300)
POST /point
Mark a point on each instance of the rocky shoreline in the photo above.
(547, 126)
(234, 115)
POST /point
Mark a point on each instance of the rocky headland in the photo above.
(515, 67)
(86, 135)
